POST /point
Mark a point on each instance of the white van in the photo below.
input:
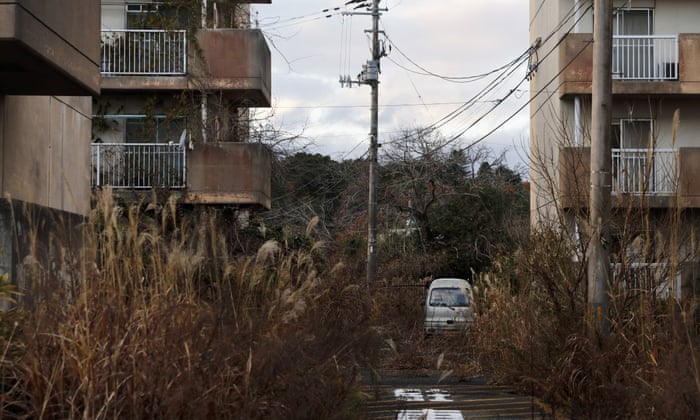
(448, 306)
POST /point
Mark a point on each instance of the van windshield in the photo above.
(448, 296)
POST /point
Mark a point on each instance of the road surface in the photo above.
(411, 396)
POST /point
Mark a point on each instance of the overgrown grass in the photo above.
(160, 315)
(532, 331)
(156, 316)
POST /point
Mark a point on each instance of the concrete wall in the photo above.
(6, 246)
(226, 173)
(674, 16)
(49, 47)
(235, 60)
(45, 151)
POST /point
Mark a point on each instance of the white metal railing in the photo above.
(651, 57)
(644, 171)
(138, 165)
(144, 52)
(651, 278)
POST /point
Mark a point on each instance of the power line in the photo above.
(381, 106)
(506, 72)
(536, 93)
(455, 79)
(302, 19)
(477, 98)
(462, 132)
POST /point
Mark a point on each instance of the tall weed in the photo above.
(163, 319)
(531, 330)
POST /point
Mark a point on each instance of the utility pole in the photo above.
(601, 161)
(370, 76)
(373, 151)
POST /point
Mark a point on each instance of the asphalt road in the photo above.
(413, 396)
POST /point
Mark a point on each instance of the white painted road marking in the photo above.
(417, 395)
(433, 395)
(430, 414)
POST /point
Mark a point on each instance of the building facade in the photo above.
(178, 78)
(49, 72)
(134, 96)
(655, 155)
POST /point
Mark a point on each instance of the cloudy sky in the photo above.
(427, 78)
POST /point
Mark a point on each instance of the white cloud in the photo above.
(450, 37)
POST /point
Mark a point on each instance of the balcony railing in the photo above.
(144, 52)
(651, 57)
(648, 278)
(644, 171)
(138, 165)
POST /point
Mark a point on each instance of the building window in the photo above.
(632, 21)
(632, 134)
(153, 130)
(141, 16)
(155, 16)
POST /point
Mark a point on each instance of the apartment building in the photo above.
(178, 78)
(156, 98)
(655, 156)
(49, 72)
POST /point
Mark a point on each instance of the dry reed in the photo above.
(161, 318)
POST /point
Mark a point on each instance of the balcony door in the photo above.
(632, 134)
(633, 47)
(156, 152)
(632, 160)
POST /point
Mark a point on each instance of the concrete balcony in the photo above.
(640, 178)
(651, 65)
(229, 173)
(211, 173)
(236, 62)
(47, 48)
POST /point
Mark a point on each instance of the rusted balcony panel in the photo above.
(689, 65)
(49, 49)
(123, 83)
(234, 60)
(689, 174)
(574, 182)
(576, 58)
(574, 176)
(229, 173)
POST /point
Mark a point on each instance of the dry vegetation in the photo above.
(160, 319)
(161, 316)
(532, 330)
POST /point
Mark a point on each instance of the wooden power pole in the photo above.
(601, 161)
(370, 76)
(373, 150)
